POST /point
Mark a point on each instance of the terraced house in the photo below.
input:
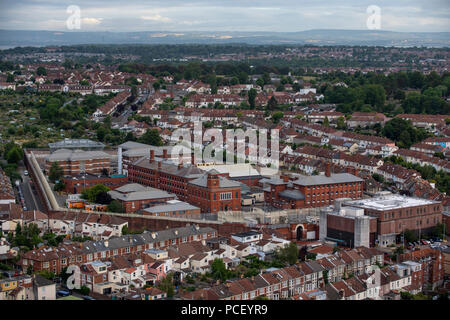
(54, 259)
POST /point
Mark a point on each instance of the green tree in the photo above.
(272, 104)
(101, 133)
(10, 77)
(151, 137)
(41, 71)
(410, 236)
(219, 270)
(14, 155)
(276, 116)
(287, 255)
(166, 284)
(84, 290)
(91, 194)
(252, 93)
(116, 206)
(326, 122)
(55, 173)
(260, 82)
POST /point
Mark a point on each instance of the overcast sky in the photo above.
(225, 15)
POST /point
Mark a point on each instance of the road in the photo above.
(32, 200)
(122, 119)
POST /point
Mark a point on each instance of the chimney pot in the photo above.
(327, 170)
(165, 154)
(152, 156)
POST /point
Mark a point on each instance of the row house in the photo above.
(105, 90)
(313, 129)
(361, 162)
(379, 150)
(200, 101)
(366, 140)
(426, 121)
(432, 265)
(320, 116)
(438, 141)
(110, 107)
(365, 119)
(25, 287)
(423, 159)
(54, 259)
(429, 149)
(397, 174)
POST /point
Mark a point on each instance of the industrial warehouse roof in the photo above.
(334, 178)
(223, 182)
(233, 170)
(76, 144)
(389, 202)
(131, 187)
(179, 206)
(134, 145)
(134, 191)
(77, 155)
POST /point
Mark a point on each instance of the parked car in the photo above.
(25, 172)
(424, 242)
(63, 293)
(88, 298)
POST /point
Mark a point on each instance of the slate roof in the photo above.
(334, 178)
(223, 182)
(292, 194)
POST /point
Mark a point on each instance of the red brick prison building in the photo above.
(393, 213)
(76, 162)
(130, 151)
(76, 184)
(135, 197)
(312, 191)
(163, 174)
(173, 208)
(211, 191)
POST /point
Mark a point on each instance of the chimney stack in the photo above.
(165, 154)
(193, 158)
(327, 170)
(180, 163)
(285, 178)
(152, 156)
(159, 165)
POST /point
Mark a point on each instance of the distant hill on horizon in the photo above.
(325, 37)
